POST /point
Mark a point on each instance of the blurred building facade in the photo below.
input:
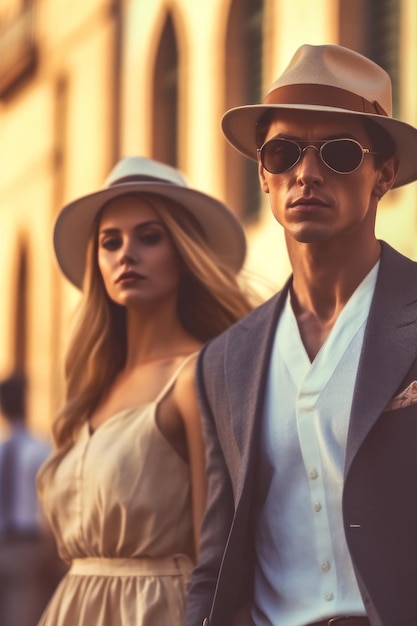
(84, 82)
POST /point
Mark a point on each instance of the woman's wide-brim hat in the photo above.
(333, 79)
(223, 231)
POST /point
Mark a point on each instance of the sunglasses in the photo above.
(343, 156)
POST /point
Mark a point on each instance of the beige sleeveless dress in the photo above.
(119, 504)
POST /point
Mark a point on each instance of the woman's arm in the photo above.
(185, 397)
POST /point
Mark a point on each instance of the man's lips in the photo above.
(307, 203)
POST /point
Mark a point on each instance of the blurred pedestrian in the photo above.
(28, 560)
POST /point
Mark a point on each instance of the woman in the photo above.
(124, 492)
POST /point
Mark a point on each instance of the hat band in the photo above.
(138, 178)
(323, 95)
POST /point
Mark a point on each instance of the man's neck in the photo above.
(322, 285)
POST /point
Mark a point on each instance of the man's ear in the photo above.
(262, 179)
(387, 177)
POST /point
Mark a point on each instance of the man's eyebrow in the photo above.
(339, 135)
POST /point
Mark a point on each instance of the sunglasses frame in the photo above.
(310, 144)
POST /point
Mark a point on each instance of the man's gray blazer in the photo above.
(380, 484)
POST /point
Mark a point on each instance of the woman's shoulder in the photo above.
(186, 371)
(180, 392)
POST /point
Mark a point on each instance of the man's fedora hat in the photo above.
(333, 79)
(73, 227)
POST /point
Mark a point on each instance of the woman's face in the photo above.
(136, 256)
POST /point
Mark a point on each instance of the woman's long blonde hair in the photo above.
(210, 300)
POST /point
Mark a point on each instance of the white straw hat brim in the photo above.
(73, 227)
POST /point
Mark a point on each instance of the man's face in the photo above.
(313, 203)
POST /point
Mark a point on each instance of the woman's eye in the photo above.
(150, 239)
(110, 244)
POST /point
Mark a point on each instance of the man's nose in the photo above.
(310, 165)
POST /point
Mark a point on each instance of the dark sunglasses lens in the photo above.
(344, 155)
(279, 155)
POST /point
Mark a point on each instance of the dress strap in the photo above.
(173, 378)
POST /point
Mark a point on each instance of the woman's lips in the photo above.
(129, 277)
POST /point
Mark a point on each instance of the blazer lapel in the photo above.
(247, 361)
(389, 346)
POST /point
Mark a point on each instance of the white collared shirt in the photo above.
(304, 571)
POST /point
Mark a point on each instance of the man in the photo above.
(29, 565)
(310, 402)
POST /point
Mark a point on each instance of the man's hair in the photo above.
(13, 396)
(381, 141)
(262, 126)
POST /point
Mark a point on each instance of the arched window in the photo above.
(243, 85)
(372, 27)
(165, 98)
(384, 36)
